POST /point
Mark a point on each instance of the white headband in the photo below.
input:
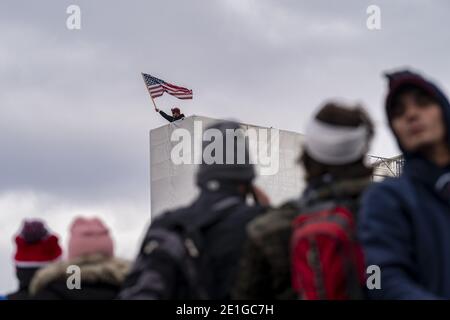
(335, 145)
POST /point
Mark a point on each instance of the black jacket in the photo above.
(101, 279)
(170, 118)
(24, 275)
(222, 244)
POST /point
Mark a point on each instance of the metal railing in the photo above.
(387, 167)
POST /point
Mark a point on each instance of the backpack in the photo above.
(326, 259)
(172, 262)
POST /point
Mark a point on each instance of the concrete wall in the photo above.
(174, 185)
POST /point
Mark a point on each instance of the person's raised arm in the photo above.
(166, 116)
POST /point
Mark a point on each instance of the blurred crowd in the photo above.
(230, 243)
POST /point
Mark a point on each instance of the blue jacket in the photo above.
(404, 223)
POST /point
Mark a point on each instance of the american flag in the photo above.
(156, 87)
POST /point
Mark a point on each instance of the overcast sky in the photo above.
(75, 115)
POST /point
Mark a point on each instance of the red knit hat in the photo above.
(89, 236)
(35, 246)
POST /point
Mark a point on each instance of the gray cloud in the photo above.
(75, 116)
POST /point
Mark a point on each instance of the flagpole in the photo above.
(148, 91)
(152, 100)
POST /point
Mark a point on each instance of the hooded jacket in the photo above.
(101, 279)
(404, 222)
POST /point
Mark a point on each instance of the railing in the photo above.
(386, 167)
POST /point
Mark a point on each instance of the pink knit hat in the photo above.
(89, 236)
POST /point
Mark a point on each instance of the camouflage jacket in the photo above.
(265, 265)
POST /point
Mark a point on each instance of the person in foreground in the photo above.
(274, 262)
(192, 252)
(405, 221)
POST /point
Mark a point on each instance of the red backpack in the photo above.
(326, 259)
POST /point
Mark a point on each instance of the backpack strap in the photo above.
(192, 237)
(216, 213)
(192, 232)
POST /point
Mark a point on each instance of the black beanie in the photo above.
(224, 172)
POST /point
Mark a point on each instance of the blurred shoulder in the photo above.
(389, 188)
(273, 221)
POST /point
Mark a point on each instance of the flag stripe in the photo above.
(156, 88)
(175, 90)
(175, 87)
